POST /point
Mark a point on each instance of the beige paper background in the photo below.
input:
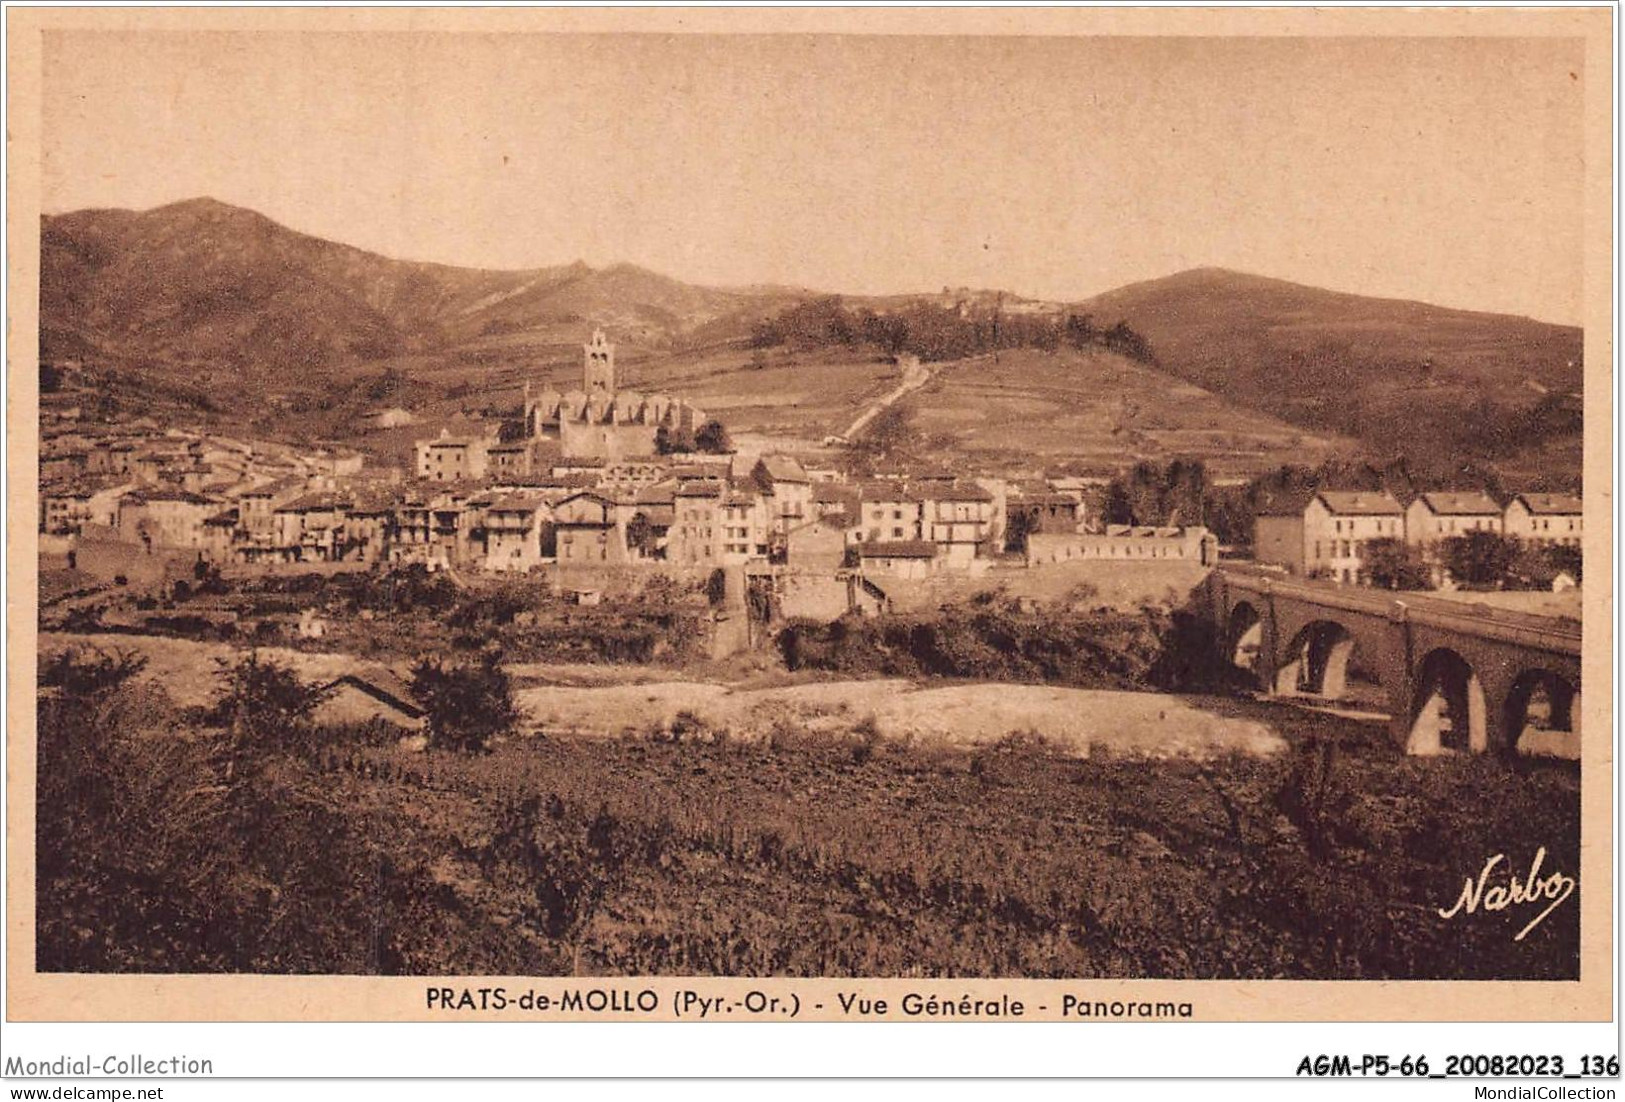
(37, 997)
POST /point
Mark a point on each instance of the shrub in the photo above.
(85, 674)
(263, 701)
(1394, 564)
(712, 437)
(468, 704)
(868, 739)
(1479, 558)
(990, 639)
(716, 587)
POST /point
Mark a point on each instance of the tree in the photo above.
(1229, 516)
(1184, 492)
(1479, 558)
(668, 442)
(1147, 493)
(640, 535)
(386, 385)
(466, 705)
(262, 702)
(81, 676)
(1117, 508)
(1023, 523)
(1566, 559)
(712, 438)
(1393, 564)
(1080, 330)
(1120, 338)
(1536, 566)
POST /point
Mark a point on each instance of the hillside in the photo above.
(208, 285)
(1440, 383)
(218, 303)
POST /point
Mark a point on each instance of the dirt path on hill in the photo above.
(915, 375)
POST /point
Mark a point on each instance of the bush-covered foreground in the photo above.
(169, 844)
(992, 637)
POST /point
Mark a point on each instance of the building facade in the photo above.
(1545, 519)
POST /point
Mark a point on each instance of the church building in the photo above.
(602, 422)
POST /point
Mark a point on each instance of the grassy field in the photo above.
(1090, 407)
(1103, 410)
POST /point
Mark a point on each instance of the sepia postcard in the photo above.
(810, 515)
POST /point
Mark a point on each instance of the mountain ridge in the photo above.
(202, 288)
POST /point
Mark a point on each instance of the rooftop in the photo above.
(1461, 504)
(899, 549)
(1552, 503)
(782, 468)
(184, 496)
(518, 503)
(959, 491)
(1364, 503)
(316, 502)
(661, 493)
(700, 487)
(833, 493)
(872, 492)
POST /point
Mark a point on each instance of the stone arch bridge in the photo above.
(1457, 676)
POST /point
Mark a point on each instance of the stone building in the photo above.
(1328, 536)
(448, 458)
(900, 558)
(1545, 518)
(165, 518)
(589, 529)
(66, 509)
(960, 517)
(601, 421)
(695, 538)
(786, 488)
(1435, 517)
(513, 532)
(1125, 543)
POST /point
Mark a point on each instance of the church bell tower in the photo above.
(599, 365)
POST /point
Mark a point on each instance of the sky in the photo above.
(1448, 170)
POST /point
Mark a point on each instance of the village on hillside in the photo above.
(601, 478)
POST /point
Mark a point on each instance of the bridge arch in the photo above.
(1244, 638)
(1317, 660)
(1448, 711)
(1541, 714)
